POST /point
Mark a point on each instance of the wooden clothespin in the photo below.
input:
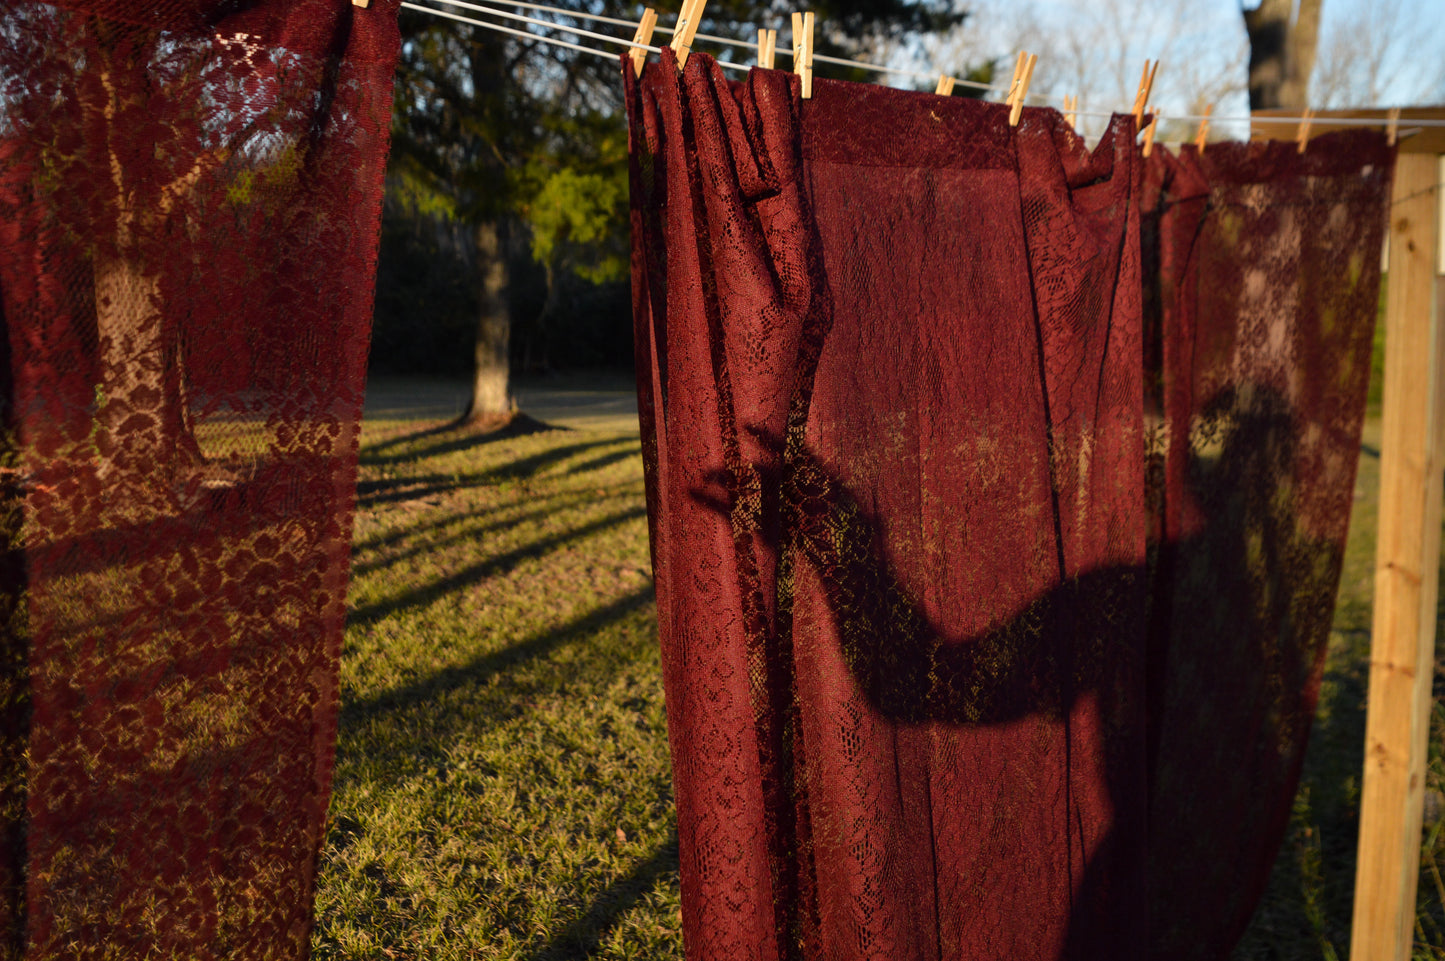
(1146, 87)
(803, 50)
(643, 35)
(1013, 85)
(1071, 110)
(686, 29)
(945, 86)
(1303, 137)
(1393, 127)
(767, 48)
(1021, 89)
(1018, 72)
(1202, 137)
(1149, 130)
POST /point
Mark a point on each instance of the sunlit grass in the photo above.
(502, 783)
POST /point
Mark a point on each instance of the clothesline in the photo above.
(711, 38)
(839, 61)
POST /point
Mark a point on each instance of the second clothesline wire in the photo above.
(606, 38)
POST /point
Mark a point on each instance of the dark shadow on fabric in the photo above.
(583, 937)
(495, 565)
(228, 509)
(14, 670)
(85, 835)
(477, 671)
(1236, 630)
(1316, 863)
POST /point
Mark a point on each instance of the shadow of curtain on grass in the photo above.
(918, 643)
(189, 204)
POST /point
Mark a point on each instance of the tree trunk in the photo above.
(491, 388)
(1303, 42)
(1281, 52)
(141, 423)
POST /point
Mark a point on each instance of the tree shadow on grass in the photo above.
(372, 493)
(479, 670)
(431, 539)
(557, 501)
(585, 935)
(493, 565)
(421, 722)
(632, 450)
(450, 438)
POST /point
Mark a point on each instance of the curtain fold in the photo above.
(939, 628)
(1265, 295)
(190, 198)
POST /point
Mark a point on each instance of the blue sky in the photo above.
(1086, 47)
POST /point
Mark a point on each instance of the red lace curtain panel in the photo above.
(190, 195)
(998, 491)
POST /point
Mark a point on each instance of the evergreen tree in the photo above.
(525, 145)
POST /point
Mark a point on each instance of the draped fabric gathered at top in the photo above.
(998, 489)
(190, 195)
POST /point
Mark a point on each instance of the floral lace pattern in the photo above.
(189, 207)
(943, 537)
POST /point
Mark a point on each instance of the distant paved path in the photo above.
(590, 400)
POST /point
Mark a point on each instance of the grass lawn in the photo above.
(502, 781)
(1307, 908)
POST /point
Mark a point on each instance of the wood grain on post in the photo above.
(1402, 648)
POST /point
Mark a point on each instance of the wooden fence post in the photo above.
(1402, 649)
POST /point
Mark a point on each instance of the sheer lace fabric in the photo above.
(979, 463)
(189, 205)
(1263, 292)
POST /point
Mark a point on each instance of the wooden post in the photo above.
(1402, 652)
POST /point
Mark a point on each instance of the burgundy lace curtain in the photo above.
(998, 489)
(189, 205)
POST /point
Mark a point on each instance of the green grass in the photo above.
(1307, 908)
(502, 782)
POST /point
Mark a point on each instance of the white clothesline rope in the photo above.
(710, 38)
(528, 35)
(820, 58)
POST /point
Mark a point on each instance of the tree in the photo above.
(124, 120)
(526, 144)
(1095, 51)
(572, 217)
(1363, 58)
(1283, 36)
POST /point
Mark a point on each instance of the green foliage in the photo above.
(273, 180)
(419, 194)
(488, 128)
(580, 211)
(1377, 354)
